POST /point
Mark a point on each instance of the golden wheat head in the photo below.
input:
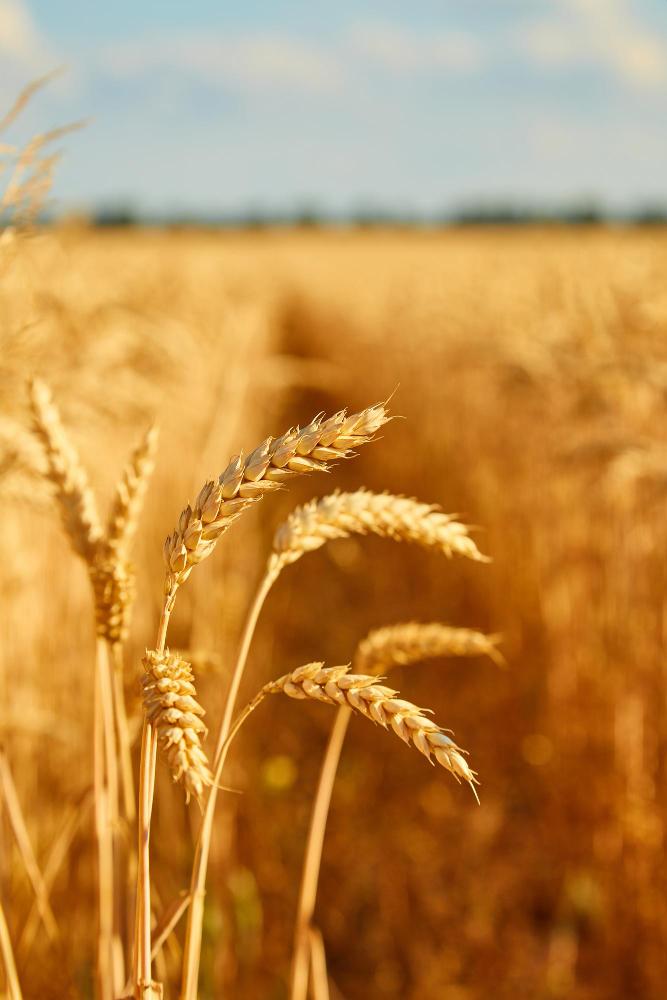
(171, 706)
(246, 479)
(365, 696)
(365, 513)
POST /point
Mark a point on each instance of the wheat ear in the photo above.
(112, 580)
(171, 706)
(380, 651)
(77, 503)
(246, 479)
(412, 642)
(364, 513)
(363, 694)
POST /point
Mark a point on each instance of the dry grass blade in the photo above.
(411, 642)
(172, 709)
(54, 861)
(67, 474)
(246, 479)
(7, 952)
(342, 514)
(168, 921)
(130, 493)
(20, 831)
(26, 96)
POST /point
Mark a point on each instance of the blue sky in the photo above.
(424, 105)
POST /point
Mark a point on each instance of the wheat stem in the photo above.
(142, 959)
(313, 856)
(22, 838)
(123, 732)
(105, 909)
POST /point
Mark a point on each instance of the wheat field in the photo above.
(527, 370)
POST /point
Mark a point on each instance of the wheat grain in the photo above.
(410, 642)
(363, 512)
(363, 694)
(246, 480)
(171, 707)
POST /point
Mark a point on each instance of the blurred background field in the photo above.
(531, 369)
(276, 210)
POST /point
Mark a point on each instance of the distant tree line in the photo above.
(312, 216)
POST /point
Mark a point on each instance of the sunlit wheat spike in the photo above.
(171, 706)
(130, 493)
(77, 503)
(246, 479)
(362, 513)
(364, 695)
(411, 642)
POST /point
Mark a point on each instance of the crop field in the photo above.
(514, 380)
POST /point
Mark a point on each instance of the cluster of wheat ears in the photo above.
(130, 934)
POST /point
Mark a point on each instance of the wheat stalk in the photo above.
(245, 480)
(112, 581)
(219, 503)
(170, 705)
(364, 695)
(360, 693)
(362, 513)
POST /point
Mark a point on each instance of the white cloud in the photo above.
(261, 62)
(20, 41)
(601, 33)
(402, 51)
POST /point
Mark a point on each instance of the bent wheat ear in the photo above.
(399, 645)
(130, 492)
(77, 503)
(364, 513)
(171, 707)
(364, 695)
(246, 479)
